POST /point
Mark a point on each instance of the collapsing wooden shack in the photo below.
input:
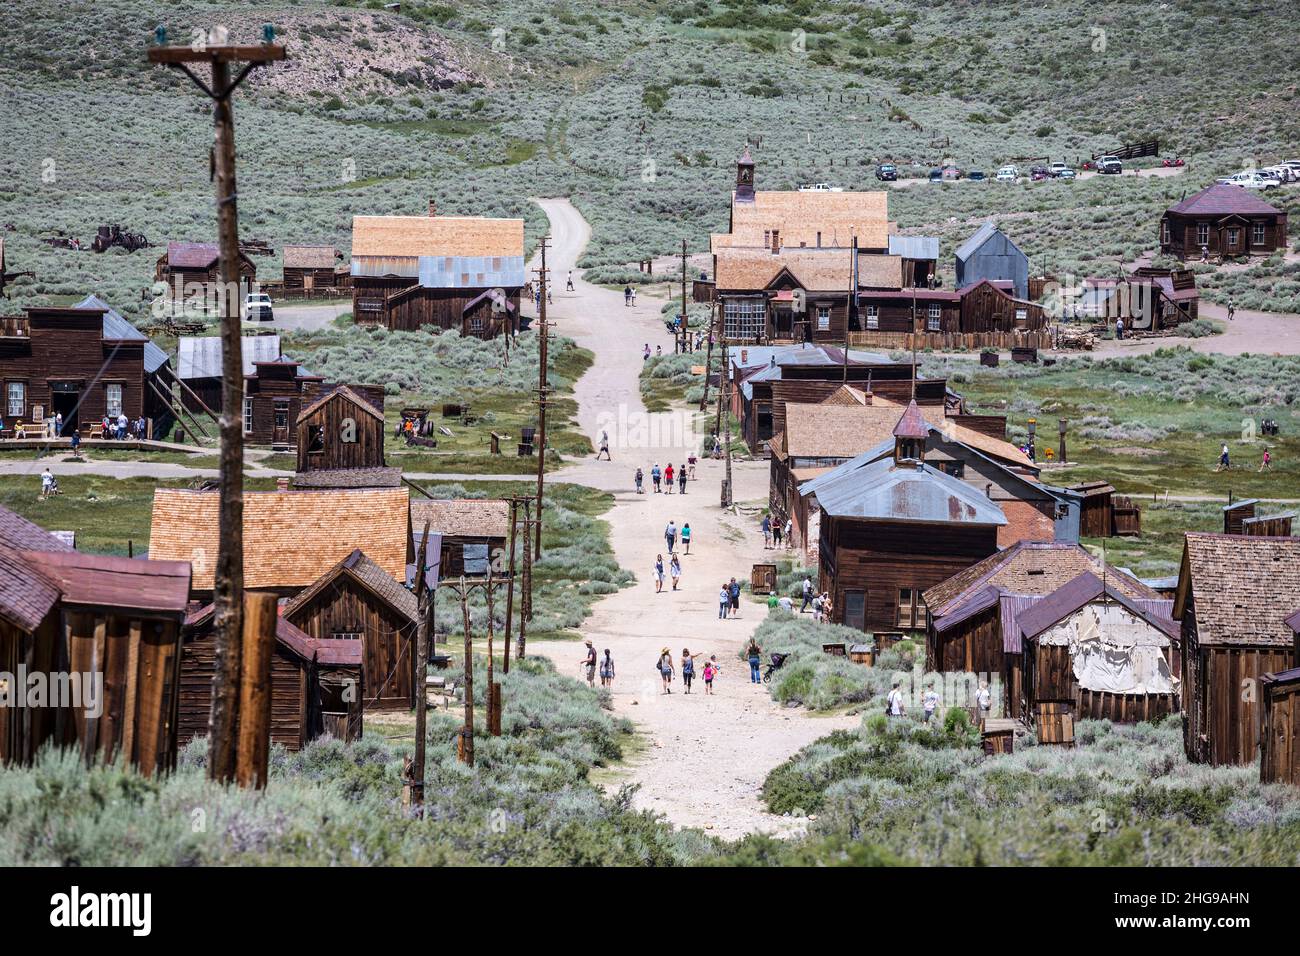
(1235, 593)
(1101, 654)
(340, 440)
(316, 685)
(473, 531)
(88, 650)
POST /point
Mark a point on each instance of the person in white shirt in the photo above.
(47, 483)
(785, 604)
(983, 700)
(930, 702)
(894, 703)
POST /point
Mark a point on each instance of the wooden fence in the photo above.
(952, 341)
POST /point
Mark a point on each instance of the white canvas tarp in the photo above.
(1113, 650)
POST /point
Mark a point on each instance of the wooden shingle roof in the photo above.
(310, 257)
(800, 216)
(370, 576)
(462, 517)
(19, 534)
(415, 236)
(816, 270)
(26, 594)
(291, 538)
(1242, 588)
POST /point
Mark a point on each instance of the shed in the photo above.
(198, 263)
(1237, 512)
(316, 686)
(309, 268)
(1268, 526)
(341, 429)
(359, 602)
(1235, 596)
(989, 254)
(474, 531)
(1097, 509)
(1279, 738)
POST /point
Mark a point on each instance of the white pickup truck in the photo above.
(257, 308)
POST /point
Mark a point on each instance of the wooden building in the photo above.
(920, 255)
(341, 430)
(83, 363)
(987, 307)
(894, 527)
(474, 531)
(1096, 653)
(899, 311)
(1279, 737)
(316, 685)
(111, 627)
(273, 400)
(313, 269)
(973, 614)
(358, 602)
(1097, 509)
(199, 263)
(291, 538)
(1150, 299)
(1235, 594)
(452, 272)
(1222, 220)
(990, 255)
(198, 366)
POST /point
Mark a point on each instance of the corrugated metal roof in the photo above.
(884, 491)
(118, 329)
(971, 245)
(200, 356)
(914, 247)
(471, 272)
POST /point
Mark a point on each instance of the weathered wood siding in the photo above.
(1280, 734)
(366, 450)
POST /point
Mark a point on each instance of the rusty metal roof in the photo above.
(883, 491)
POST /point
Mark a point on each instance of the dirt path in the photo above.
(708, 756)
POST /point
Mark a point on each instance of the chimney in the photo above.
(433, 207)
(281, 484)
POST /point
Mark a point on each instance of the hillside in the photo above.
(636, 111)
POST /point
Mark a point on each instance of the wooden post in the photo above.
(465, 745)
(683, 334)
(421, 659)
(493, 695)
(526, 596)
(541, 397)
(708, 355)
(510, 585)
(259, 620)
(228, 585)
(724, 399)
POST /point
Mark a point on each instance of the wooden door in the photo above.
(280, 436)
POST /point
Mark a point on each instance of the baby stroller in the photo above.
(777, 661)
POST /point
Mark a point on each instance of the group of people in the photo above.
(629, 296)
(729, 600)
(709, 671)
(605, 665)
(896, 702)
(662, 479)
(774, 532)
(818, 601)
(120, 428)
(671, 533)
(1225, 459)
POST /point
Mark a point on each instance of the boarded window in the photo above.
(476, 558)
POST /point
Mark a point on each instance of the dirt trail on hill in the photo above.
(708, 755)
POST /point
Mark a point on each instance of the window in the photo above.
(113, 398)
(476, 324)
(315, 439)
(873, 316)
(1202, 234)
(1164, 231)
(248, 416)
(17, 399)
(1234, 237)
(743, 318)
(347, 636)
(1257, 234)
(855, 609)
(932, 317)
(912, 612)
(282, 414)
(823, 318)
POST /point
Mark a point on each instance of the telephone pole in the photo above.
(724, 411)
(228, 586)
(708, 358)
(416, 782)
(510, 588)
(542, 389)
(683, 336)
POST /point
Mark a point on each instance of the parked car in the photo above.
(936, 175)
(1172, 163)
(1008, 174)
(1287, 174)
(1110, 165)
(1038, 173)
(1249, 179)
(257, 308)
(952, 172)
(886, 172)
(1067, 173)
(976, 175)
(1057, 168)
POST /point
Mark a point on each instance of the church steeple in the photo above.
(745, 177)
(909, 437)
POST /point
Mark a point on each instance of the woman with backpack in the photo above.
(733, 591)
(665, 668)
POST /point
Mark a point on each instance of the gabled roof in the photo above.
(825, 270)
(1077, 593)
(330, 652)
(799, 216)
(1242, 587)
(200, 356)
(847, 395)
(972, 245)
(462, 517)
(19, 534)
(1223, 199)
(192, 255)
(310, 257)
(369, 575)
(496, 295)
(839, 431)
(882, 491)
(26, 594)
(290, 537)
(436, 236)
(118, 329)
(1027, 568)
(347, 395)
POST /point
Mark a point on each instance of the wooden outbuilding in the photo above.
(990, 255)
(1279, 738)
(973, 615)
(474, 532)
(312, 270)
(89, 644)
(199, 264)
(341, 428)
(1236, 513)
(1222, 220)
(83, 363)
(1097, 510)
(273, 400)
(988, 307)
(316, 685)
(452, 272)
(1235, 594)
(291, 538)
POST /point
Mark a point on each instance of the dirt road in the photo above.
(708, 755)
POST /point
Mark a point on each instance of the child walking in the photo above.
(710, 672)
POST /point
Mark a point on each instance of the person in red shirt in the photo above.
(668, 477)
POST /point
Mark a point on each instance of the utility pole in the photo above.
(416, 781)
(683, 336)
(914, 343)
(493, 690)
(526, 597)
(724, 410)
(708, 358)
(465, 747)
(228, 586)
(851, 309)
(542, 389)
(510, 587)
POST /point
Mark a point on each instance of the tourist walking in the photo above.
(568, 285)
(733, 591)
(894, 706)
(668, 477)
(688, 669)
(681, 480)
(589, 662)
(817, 609)
(1266, 462)
(645, 356)
(929, 703)
(666, 669)
(640, 477)
(754, 655)
(983, 700)
(724, 602)
(1224, 462)
(807, 594)
(710, 672)
(675, 571)
(789, 526)
(776, 534)
(670, 535)
(627, 295)
(76, 444)
(1119, 329)
(1232, 311)
(767, 531)
(659, 573)
(686, 537)
(604, 446)
(47, 482)
(607, 670)
(655, 476)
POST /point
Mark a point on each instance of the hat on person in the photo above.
(588, 642)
